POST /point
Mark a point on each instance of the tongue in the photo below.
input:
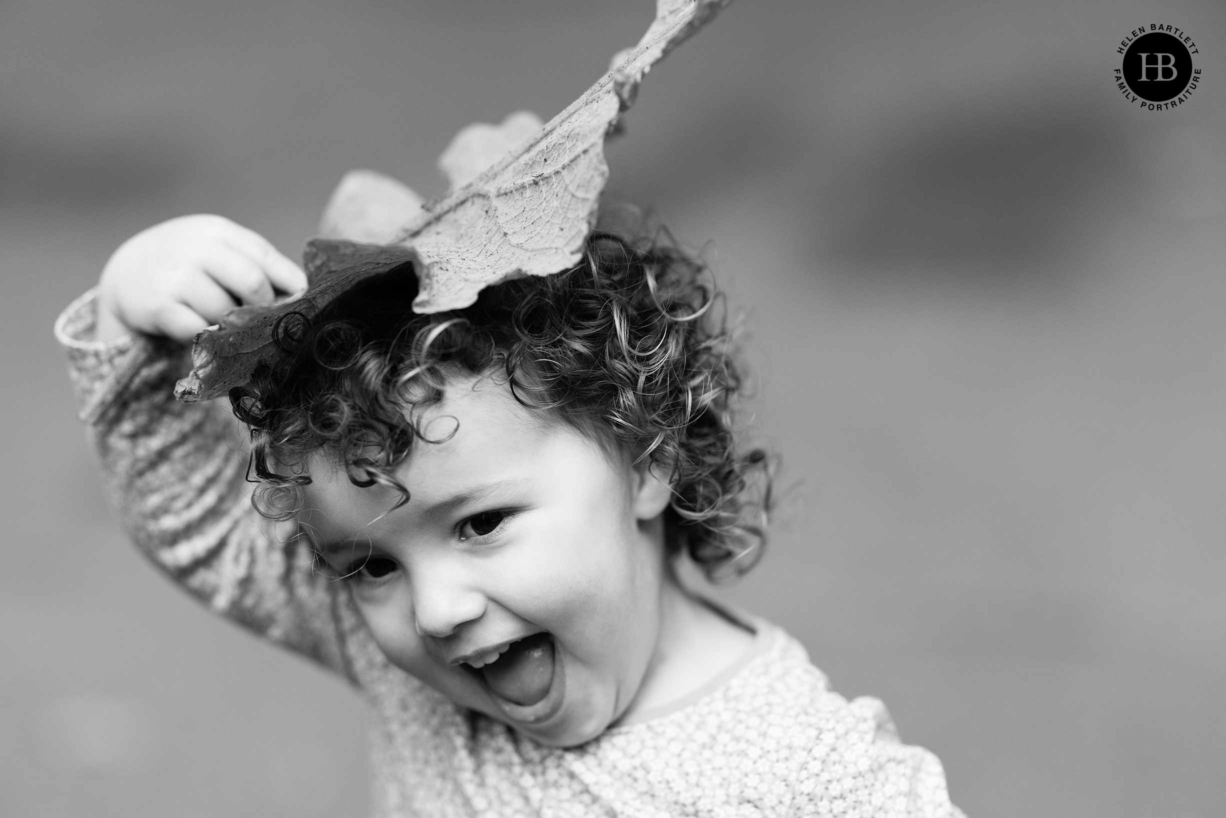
(524, 673)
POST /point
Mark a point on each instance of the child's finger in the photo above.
(179, 321)
(238, 274)
(284, 274)
(208, 299)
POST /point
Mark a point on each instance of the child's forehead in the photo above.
(477, 430)
(485, 404)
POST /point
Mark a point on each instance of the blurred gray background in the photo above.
(984, 297)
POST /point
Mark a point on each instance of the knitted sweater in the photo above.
(766, 738)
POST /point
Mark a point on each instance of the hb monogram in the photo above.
(1160, 65)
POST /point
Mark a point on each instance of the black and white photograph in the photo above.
(670, 408)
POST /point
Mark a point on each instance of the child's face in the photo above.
(518, 526)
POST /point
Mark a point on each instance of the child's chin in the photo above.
(564, 735)
(578, 723)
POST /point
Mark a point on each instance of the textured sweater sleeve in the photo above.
(176, 474)
(855, 766)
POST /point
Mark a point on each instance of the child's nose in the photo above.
(443, 601)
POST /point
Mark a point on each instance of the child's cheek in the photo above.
(587, 594)
(390, 621)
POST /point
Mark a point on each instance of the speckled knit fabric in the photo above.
(768, 738)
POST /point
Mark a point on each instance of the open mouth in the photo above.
(525, 680)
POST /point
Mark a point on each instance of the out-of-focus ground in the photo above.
(985, 298)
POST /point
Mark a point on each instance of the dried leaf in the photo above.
(530, 213)
(525, 213)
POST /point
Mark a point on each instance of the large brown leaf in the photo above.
(523, 200)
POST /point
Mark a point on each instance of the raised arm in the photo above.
(177, 472)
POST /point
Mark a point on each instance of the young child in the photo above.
(477, 520)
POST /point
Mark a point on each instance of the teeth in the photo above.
(487, 658)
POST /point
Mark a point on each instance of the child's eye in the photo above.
(367, 569)
(483, 524)
(376, 567)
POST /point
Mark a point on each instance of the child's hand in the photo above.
(179, 277)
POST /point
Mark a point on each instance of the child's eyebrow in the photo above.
(472, 495)
(442, 509)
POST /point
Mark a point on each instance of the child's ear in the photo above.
(654, 490)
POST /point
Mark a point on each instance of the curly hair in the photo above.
(625, 347)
